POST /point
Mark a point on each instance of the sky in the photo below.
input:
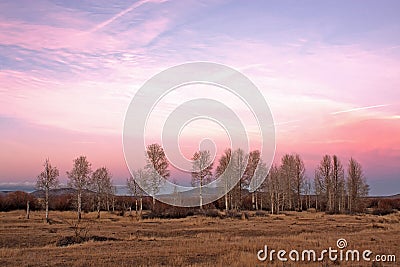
(329, 70)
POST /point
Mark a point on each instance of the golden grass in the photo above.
(192, 241)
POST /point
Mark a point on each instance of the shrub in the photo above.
(18, 200)
(385, 206)
(168, 212)
(62, 203)
(214, 213)
(261, 213)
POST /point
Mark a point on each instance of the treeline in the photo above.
(335, 188)
(66, 201)
(126, 204)
(82, 179)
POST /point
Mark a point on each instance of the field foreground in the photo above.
(192, 241)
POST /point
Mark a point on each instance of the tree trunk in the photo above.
(79, 205)
(27, 209)
(299, 208)
(47, 204)
(98, 207)
(349, 204)
(201, 196)
(107, 203)
(226, 202)
(256, 200)
(272, 204)
(301, 204)
(240, 193)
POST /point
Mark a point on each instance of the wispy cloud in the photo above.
(359, 108)
(123, 12)
(75, 66)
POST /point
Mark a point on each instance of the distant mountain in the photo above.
(387, 197)
(12, 187)
(30, 188)
(55, 192)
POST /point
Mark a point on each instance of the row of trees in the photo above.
(284, 187)
(233, 166)
(336, 190)
(287, 188)
(81, 178)
(151, 176)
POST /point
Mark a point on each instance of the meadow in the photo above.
(192, 241)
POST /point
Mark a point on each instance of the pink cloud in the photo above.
(43, 36)
(33, 143)
(374, 141)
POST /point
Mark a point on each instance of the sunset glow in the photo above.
(68, 71)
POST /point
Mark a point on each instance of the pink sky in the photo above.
(68, 72)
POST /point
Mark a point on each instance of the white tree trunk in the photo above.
(79, 205)
(226, 202)
(201, 196)
(47, 204)
(256, 200)
(27, 209)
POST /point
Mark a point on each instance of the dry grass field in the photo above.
(192, 241)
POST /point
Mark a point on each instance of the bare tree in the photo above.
(259, 175)
(109, 195)
(337, 181)
(252, 163)
(135, 190)
(319, 188)
(307, 192)
(357, 186)
(47, 180)
(239, 160)
(157, 167)
(79, 178)
(132, 190)
(224, 171)
(299, 177)
(287, 173)
(101, 185)
(201, 171)
(275, 187)
(323, 182)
